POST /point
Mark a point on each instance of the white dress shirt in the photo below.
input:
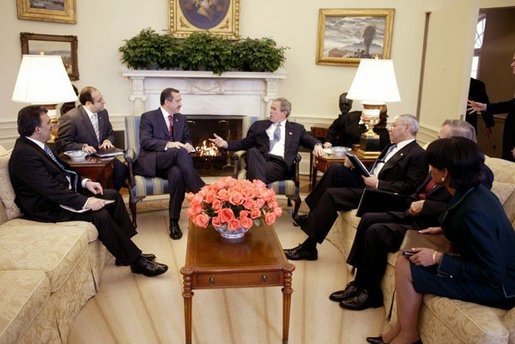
(278, 148)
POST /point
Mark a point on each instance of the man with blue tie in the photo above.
(47, 190)
(272, 145)
(165, 144)
(400, 168)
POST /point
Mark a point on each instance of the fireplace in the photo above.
(202, 128)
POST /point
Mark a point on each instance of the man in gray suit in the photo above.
(87, 128)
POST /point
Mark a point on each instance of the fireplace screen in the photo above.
(208, 160)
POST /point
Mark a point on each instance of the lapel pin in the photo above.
(290, 133)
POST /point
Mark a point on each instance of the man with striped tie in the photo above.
(47, 190)
(272, 145)
(87, 128)
(400, 168)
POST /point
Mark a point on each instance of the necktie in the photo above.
(94, 121)
(71, 175)
(277, 136)
(378, 165)
(170, 121)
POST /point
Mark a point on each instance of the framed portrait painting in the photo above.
(64, 46)
(59, 11)
(219, 17)
(347, 35)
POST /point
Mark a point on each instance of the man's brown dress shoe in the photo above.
(362, 300)
(148, 268)
(350, 290)
(175, 230)
(300, 253)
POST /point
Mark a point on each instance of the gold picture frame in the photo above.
(57, 11)
(347, 35)
(64, 46)
(219, 17)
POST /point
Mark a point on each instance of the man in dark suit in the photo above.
(45, 184)
(87, 128)
(272, 145)
(165, 144)
(508, 137)
(381, 233)
(477, 93)
(346, 130)
(400, 168)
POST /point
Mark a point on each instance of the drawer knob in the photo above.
(264, 278)
(211, 280)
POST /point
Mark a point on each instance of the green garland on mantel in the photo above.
(201, 51)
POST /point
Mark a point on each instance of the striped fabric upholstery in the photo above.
(145, 186)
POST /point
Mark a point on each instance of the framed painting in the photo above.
(347, 35)
(219, 17)
(64, 46)
(58, 11)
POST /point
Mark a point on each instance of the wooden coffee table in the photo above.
(213, 262)
(94, 168)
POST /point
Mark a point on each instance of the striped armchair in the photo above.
(288, 187)
(140, 186)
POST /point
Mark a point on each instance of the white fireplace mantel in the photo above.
(232, 93)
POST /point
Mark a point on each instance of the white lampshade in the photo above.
(374, 82)
(43, 80)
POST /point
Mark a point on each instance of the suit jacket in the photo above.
(404, 171)
(76, 129)
(346, 131)
(40, 184)
(482, 235)
(477, 93)
(508, 142)
(257, 137)
(153, 137)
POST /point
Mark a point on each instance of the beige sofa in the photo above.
(444, 320)
(47, 271)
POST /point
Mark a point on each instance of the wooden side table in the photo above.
(94, 168)
(213, 262)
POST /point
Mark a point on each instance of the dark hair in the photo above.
(29, 118)
(167, 93)
(86, 95)
(461, 157)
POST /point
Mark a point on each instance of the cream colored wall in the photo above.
(103, 25)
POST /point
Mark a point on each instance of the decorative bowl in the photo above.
(76, 155)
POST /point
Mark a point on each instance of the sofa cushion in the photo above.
(42, 246)
(468, 320)
(22, 295)
(509, 322)
(6, 190)
(502, 190)
(92, 233)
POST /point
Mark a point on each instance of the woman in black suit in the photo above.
(482, 267)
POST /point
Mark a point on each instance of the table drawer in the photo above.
(242, 279)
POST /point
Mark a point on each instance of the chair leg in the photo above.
(297, 201)
(132, 206)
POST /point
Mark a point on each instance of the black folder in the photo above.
(378, 201)
(107, 153)
(358, 164)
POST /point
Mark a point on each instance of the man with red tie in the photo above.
(165, 144)
(381, 233)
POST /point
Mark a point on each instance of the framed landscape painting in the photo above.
(219, 17)
(64, 46)
(347, 35)
(59, 11)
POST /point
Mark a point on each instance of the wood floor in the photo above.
(132, 308)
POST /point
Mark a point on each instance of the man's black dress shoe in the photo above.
(300, 253)
(375, 340)
(362, 300)
(147, 256)
(299, 220)
(175, 230)
(350, 290)
(148, 267)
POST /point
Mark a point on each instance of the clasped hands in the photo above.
(178, 145)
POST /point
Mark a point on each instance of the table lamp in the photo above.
(374, 85)
(42, 80)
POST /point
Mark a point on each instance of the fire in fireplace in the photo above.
(208, 160)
